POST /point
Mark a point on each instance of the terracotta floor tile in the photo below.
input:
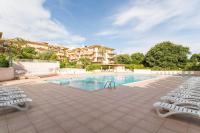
(96, 125)
(138, 130)
(152, 127)
(121, 125)
(53, 129)
(165, 130)
(81, 129)
(109, 130)
(68, 125)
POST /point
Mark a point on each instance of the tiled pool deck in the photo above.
(57, 109)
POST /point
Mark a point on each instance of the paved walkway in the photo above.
(59, 109)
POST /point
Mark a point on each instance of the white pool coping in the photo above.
(143, 83)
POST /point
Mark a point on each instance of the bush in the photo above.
(64, 63)
(3, 61)
(48, 55)
(28, 53)
(93, 67)
(191, 66)
(165, 69)
(134, 66)
(83, 62)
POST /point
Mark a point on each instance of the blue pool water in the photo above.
(91, 83)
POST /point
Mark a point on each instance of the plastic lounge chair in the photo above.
(184, 92)
(182, 102)
(185, 96)
(13, 97)
(192, 88)
(8, 91)
(11, 93)
(9, 88)
(20, 104)
(165, 109)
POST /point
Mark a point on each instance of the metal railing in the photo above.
(109, 84)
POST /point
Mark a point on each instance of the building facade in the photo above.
(40, 47)
(96, 53)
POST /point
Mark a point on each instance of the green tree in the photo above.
(28, 53)
(167, 56)
(3, 61)
(195, 58)
(137, 58)
(64, 63)
(122, 59)
(14, 47)
(48, 55)
(194, 63)
(92, 67)
(84, 62)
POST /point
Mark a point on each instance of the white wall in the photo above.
(6, 74)
(36, 67)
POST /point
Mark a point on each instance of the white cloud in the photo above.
(30, 20)
(143, 23)
(149, 13)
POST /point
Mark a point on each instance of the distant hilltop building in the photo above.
(61, 51)
(96, 53)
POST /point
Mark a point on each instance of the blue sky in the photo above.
(127, 25)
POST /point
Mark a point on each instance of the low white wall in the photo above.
(36, 67)
(71, 71)
(6, 74)
(148, 71)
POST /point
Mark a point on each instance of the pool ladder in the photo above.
(109, 84)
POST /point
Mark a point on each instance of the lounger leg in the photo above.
(21, 107)
(158, 111)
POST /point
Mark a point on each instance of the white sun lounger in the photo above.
(9, 88)
(186, 93)
(20, 104)
(165, 109)
(11, 93)
(182, 102)
(185, 96)
(188, 89)
(13, 97)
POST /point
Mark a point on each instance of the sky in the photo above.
(126, 25)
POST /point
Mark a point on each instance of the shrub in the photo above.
(134, 66)
(28, 53)
(84, 62)
(48, 55)
(191, 66)
(93, 67)
(3, 61)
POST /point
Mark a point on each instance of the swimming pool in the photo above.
(91, 83)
